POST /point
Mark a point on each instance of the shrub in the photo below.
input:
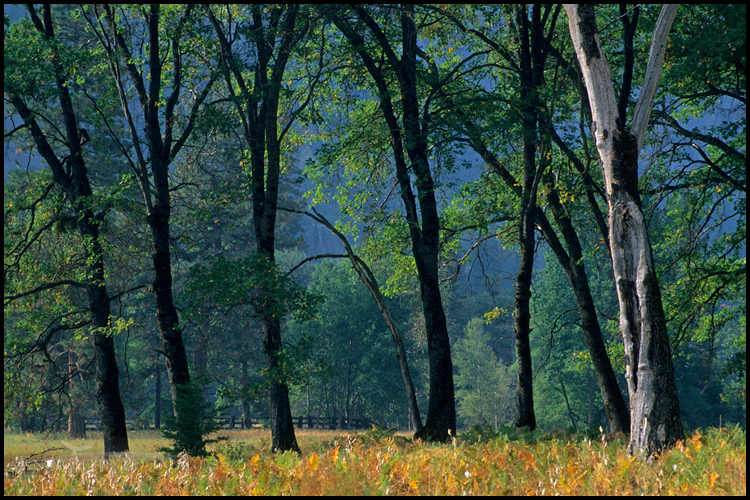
(197, 419)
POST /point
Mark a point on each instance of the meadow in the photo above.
(377, 462)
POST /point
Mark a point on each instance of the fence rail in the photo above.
(236, 422)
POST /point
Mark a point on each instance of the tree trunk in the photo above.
(161, 151)
(530, 36)
(368, 278)
(441, 409)
(524, 416)
(258, 108)
(655, 413)
(157, 401)
(282, 424)
(572, 263)
(73, 180)
(107, 374)
(76, 422)
(173, 346)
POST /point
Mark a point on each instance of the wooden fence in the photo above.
(235, 422)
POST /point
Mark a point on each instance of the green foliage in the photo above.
(736, 365)
(196, 420)
(234, 451)
(484, 386)
(254, 281)
(349, 348)
(376, 435)
(485, 433)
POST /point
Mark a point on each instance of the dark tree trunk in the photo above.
(272, 40)
(162, 149)
(531, 80)
(107, 374)
(441, 409)
(76, 422)
(572, 263)
(282, 423)
(173, 346)
(614, 402)
(157, 401)
(245, 401)
(73, 180)
(524, 416)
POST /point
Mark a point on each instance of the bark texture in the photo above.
(655, 414)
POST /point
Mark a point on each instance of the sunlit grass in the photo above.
(336, 463)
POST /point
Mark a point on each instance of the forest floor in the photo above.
(479, 462)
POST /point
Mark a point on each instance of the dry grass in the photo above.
(378, 463)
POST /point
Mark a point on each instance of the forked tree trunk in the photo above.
(258, 108)
(654, 408)
(530, 35)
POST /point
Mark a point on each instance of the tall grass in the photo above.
(377, 462)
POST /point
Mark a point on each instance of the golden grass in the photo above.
(376, 463)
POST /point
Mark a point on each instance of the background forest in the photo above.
(187, 176)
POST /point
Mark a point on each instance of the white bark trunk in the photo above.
(654, 409)
(653, 73)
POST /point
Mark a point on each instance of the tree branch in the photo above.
(653, 73)
(10, 298)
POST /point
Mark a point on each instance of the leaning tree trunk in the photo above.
(368, 278)
(572, 263)
(655, 411)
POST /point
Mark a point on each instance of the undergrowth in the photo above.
(478, 462)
